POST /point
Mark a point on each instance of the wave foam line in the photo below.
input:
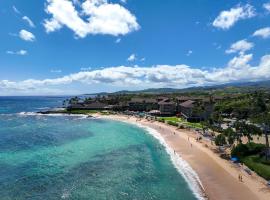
(52, 114)
(180, 164)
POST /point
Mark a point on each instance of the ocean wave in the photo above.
(43, 108)
(82, 116)
(180, 164)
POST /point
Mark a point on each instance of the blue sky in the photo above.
(85, 46)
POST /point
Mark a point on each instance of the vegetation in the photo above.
(174, 120)
(251, 155)
(243, 150)
(220, 140)
(172, 123)
(258, 164)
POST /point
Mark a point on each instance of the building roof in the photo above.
(188, 104)
(166, 102)
(143, 100)
(186, 98)
(95, 105)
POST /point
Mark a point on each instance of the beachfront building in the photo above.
(143, 104)
(195, 111)
(167, 107)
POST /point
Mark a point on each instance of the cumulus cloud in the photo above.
(263, 32)
(132, 58)
(267, 6)
(92, 17)
(227, 18)
(179, 76)
(29, 21)
(240, 46)
(20, 52)
(27, 36)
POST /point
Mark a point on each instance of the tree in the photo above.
(220, 140)
(264, 120)
(231, 135)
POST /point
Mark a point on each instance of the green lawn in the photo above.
(177, 119)
(259, 165)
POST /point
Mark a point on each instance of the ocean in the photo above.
(78, 158)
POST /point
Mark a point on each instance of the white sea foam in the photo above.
(52, 114)
(180, 164)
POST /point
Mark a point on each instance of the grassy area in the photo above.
(177, 119)
(259, 165)
(85, 112)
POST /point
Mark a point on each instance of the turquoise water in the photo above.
(48, 157)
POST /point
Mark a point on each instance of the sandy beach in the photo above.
(219, 177)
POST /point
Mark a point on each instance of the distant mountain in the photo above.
(224, 88)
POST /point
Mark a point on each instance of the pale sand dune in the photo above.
(218, 176)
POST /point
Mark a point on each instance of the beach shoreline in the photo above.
(218, 177)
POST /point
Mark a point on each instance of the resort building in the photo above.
(143, 104)
(167, 107)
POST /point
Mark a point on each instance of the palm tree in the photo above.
(231, 135)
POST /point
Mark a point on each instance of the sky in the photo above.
(66, 47)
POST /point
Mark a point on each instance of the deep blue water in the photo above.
(72, 157)
(29, 104)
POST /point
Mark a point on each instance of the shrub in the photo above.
(181, 126)
(172, 123)
(258, 165)
(220, 140)
(242, 150)
(161, 120)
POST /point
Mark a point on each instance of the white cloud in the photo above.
(20, 52)
(189, 53)
(228, 18)
(118, 40)
(56, 71)
(16, 10)
(240, 61)
(123, 1)
(86, 68)
(93, 17)
(240, 46)
(132, 58)
(178, 76)
(29, 21)
(267, 6)
(263, 32)
(27, 36)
